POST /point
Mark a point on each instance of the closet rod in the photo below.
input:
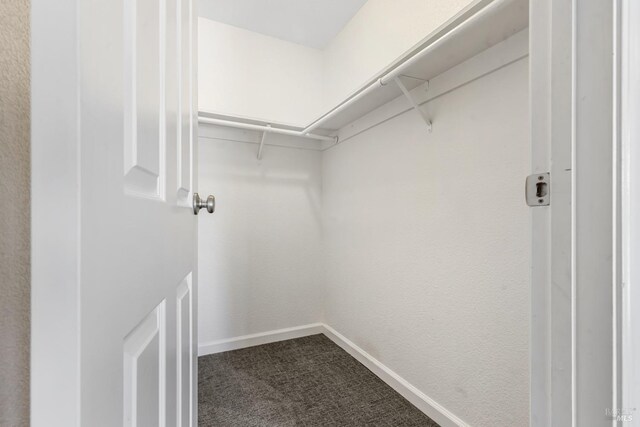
(268, 129)
(406, 64)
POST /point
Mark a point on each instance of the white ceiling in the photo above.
(311, 23)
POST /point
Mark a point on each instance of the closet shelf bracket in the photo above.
(413, 102)
(264, 136)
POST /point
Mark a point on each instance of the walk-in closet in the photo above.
(369, 258)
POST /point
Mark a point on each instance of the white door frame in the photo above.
(630, 138)
(575, 343)
(55, 251)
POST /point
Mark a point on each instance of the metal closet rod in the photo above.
(402, 67)
(266, 129)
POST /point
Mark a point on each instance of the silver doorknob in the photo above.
(198, 203)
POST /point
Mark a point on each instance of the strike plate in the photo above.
(538, 189)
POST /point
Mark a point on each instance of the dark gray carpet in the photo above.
(307, 381)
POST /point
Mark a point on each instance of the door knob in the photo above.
(198, 203)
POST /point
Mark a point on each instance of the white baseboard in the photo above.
(430, 407)
(244, 341)
(433, 409)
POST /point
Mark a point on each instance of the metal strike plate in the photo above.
(538, 189)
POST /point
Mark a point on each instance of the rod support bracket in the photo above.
(264, 137)
(413, 102)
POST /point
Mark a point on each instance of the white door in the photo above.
(114, 234)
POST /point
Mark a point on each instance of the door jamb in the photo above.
(630, 202)
(575, 294)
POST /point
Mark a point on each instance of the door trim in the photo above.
(630, 200)
(55, 220)
(575, 327)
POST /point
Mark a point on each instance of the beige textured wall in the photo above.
(14, 213)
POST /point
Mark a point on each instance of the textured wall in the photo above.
(427, 247)
(259, 254)
(14, 220)
(249, 74)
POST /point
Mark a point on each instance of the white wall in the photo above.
(15, 281)
(248, 74)
(379, 33)
(259, 254)
(427, 241)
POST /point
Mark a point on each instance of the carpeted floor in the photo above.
(307, 381)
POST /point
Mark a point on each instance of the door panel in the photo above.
(186, 90)
(114, 124)
(145, 136)
(144, 373)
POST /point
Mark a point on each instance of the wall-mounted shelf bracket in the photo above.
(413, 102)
(264, 136)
